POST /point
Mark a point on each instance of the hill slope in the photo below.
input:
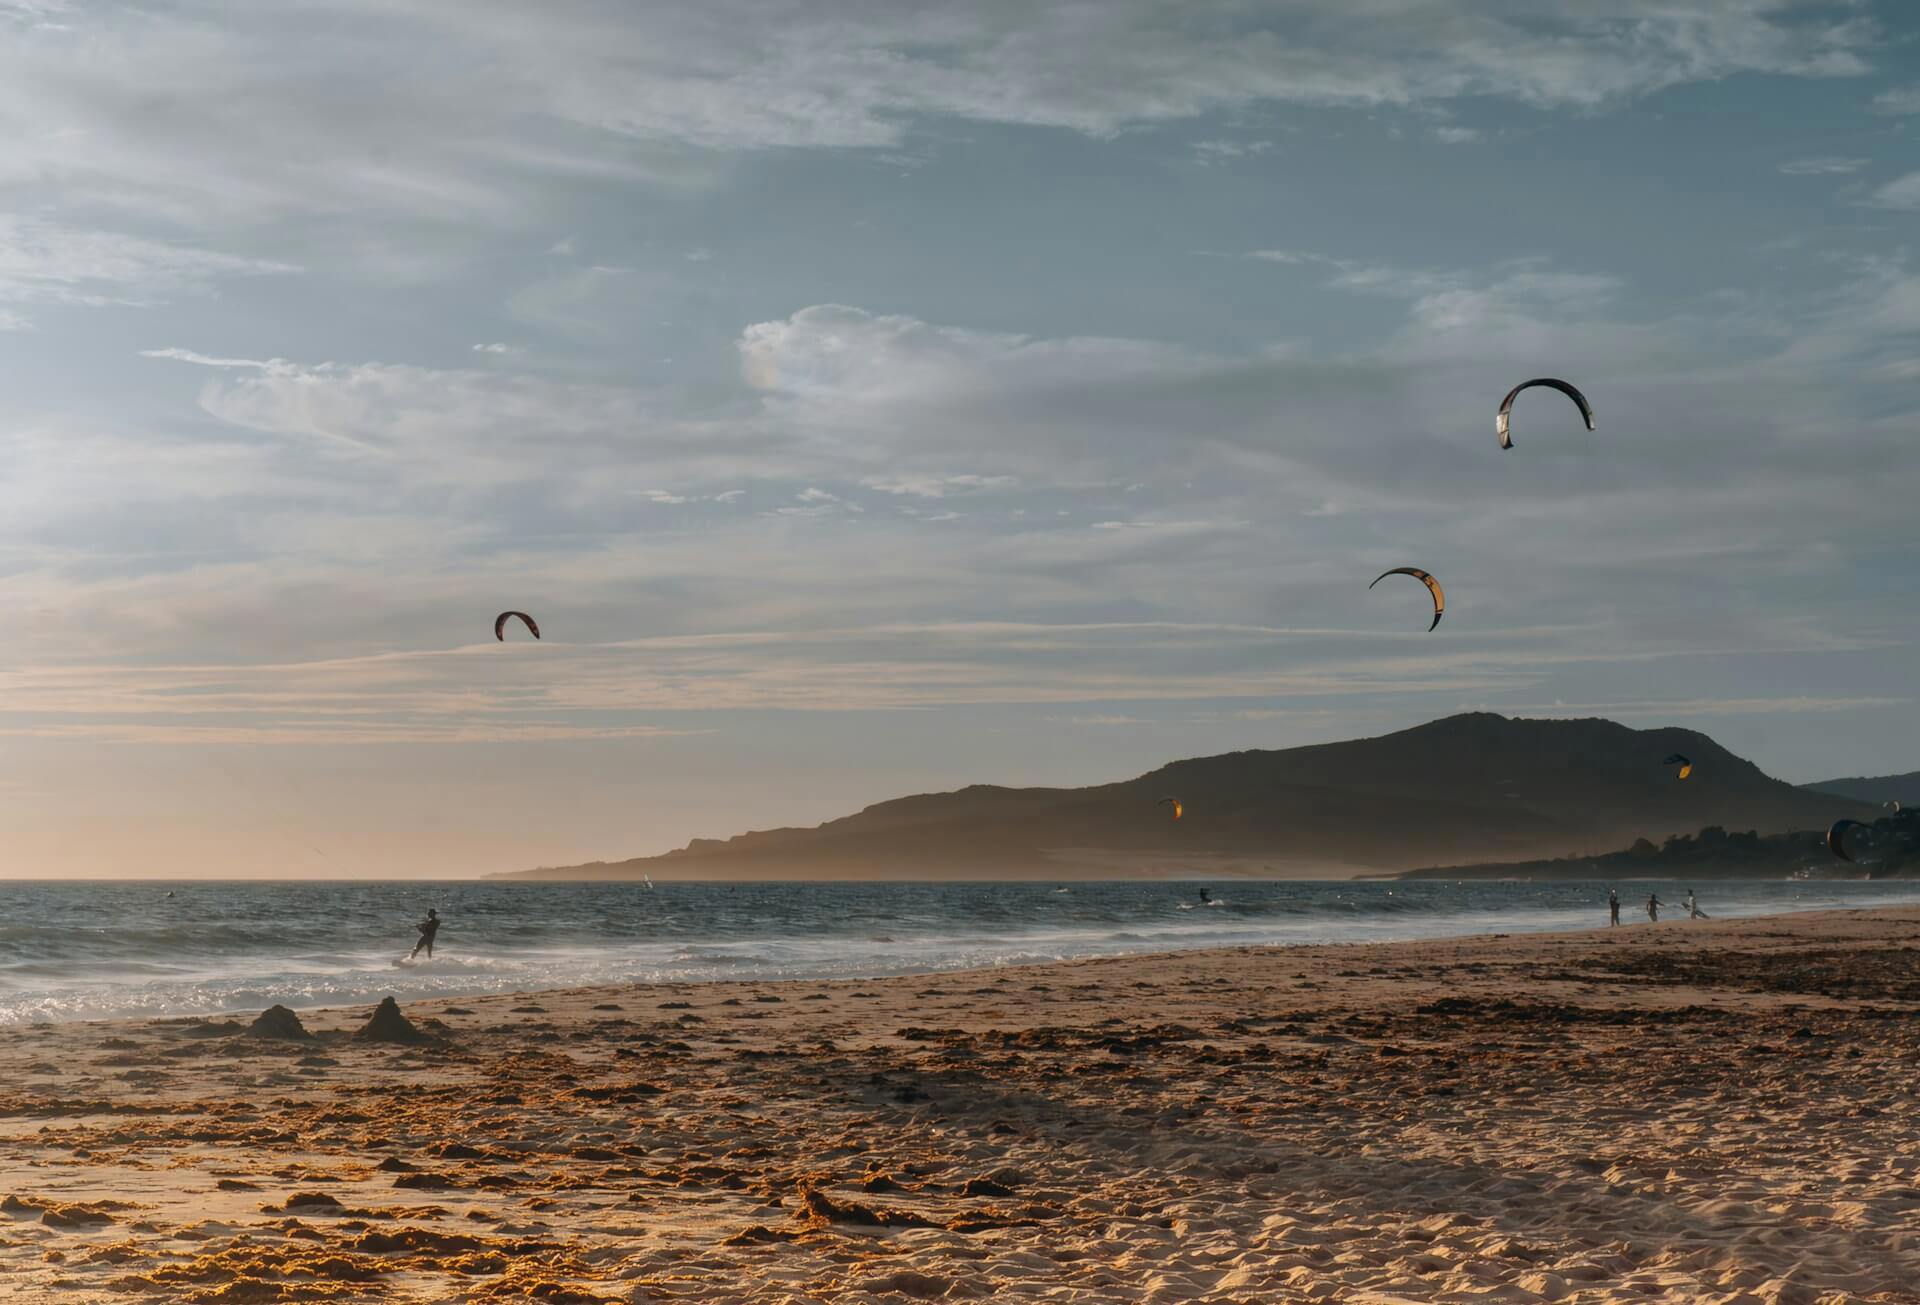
(1476, 787)
(1904, 789)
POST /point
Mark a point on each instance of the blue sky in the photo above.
(871, 398)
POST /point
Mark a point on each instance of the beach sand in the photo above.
(1694, 1111)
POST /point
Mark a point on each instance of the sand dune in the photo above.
(1719, 1112)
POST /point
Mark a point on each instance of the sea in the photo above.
(77, 950)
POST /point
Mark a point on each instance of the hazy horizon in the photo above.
(871, 400)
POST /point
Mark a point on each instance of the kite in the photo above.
(1506, 405)
(1439, 597)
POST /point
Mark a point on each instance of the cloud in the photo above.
(1077, 459)
(250, 112)
(664, 685)
(1220, 151)
(49, 263)
(356, 506)
(863, 388)
(936, 486)
(278, 365)
(1828, 166)
(1456, 135)
(1366, 277)
(1898, 102)
(1903, 193)
(460, 426)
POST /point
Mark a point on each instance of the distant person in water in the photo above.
(427, 927)
(1653, 907)
(1206, 897)
(1613, 908)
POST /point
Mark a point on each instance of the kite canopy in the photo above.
(500, 625)
(1439, 596)
(1506, 405)
(1837, 838)
(1174, 802)
(1686, 766)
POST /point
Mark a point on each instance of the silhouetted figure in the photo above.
(1206, 897)
(1613, 908)
(1693, 908)
(1653, 907)
(427, 927)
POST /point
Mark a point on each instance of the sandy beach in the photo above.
(1693, 1111)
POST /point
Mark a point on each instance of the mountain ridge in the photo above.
(1471, 787)
(1904, 789)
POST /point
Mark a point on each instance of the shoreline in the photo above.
(1627, 930)
(1716, 1112)
(1465, 925)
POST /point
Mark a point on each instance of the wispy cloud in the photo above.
(1368, 277)
(616, 93)
(1898, 102)
(1824, 166)
(1222, 151)
(205, 360)
(560, 690)
(937, 486)
(50, 263)
(1903, 193)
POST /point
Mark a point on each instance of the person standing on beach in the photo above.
(1693, 908)
(427, 927)
(1653, 907)
(1613, 908)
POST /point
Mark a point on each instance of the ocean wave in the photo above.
(93, 951)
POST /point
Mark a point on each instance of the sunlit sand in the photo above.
(1691, 1111)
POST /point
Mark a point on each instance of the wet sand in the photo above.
(1694, 1111)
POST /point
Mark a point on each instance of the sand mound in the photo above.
(280, 1025)
(389, 1025)
(822, 1210)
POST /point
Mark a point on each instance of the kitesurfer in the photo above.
(428, 928)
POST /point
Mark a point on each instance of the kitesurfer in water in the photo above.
(1206, 898)
(1653, 907)
(1613, 908)
(427, 927)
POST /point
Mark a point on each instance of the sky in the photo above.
(871, 397)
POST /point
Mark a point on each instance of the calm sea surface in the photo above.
(86, 950)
